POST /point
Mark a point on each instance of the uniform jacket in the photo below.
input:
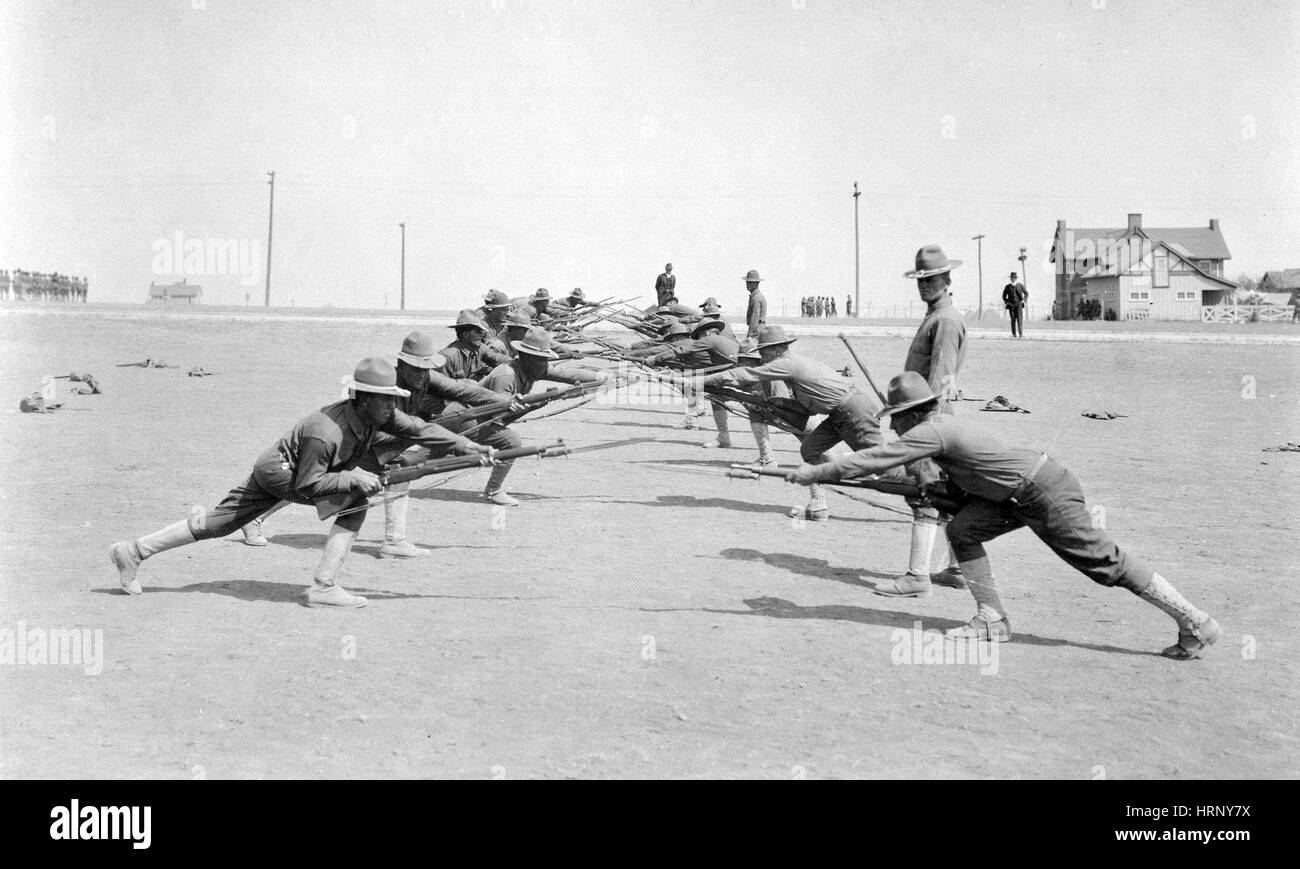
(465, 362)
(756, 313)
(939, 347)
(817, 387)
(333, 439)
(975, 460)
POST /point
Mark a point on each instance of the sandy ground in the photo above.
(632, 618)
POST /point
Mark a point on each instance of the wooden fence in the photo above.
(1247, 313)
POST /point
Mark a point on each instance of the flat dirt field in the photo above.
(632, 618)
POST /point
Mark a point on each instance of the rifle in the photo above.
(942, 495)
(346, 502)
(530, 402)
(785, 413)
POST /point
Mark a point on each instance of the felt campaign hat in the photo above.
(541, 294)
(679, 310)
(517, 319)
(496, 299)
(677, 329)
(770, 336)
(536, 342)
(418, 350)
(930, 260)
(578, 294)
(710, 302)
(906, 391)
(748, 349)
(375, 374)
(469, 317)
(752, 276)
(707, 323)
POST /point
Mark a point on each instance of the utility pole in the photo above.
(270, 224)
(1024, 278)
(403, 302)
(857, 260)
(979, 257)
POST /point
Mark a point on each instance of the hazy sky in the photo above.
(586, 143)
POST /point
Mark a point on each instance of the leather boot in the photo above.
(1196, 630)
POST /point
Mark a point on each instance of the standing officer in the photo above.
(937, 352)
(329, 452)
(666, 285)
(1015, 297)
(851, 415)
(756, 313)
(1010, 488)
(470, 357)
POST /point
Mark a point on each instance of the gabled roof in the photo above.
(1286, 279)
(1114, 260)
(1199, 242)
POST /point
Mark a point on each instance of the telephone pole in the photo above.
(857, 258)
(270, 224)
(403, 302)
(979, 257)
(1024, 278)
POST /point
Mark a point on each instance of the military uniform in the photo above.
(317, 459)
(939, 347)
(1010, 488)
(819, 389)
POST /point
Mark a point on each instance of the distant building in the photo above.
(190, 294)
(1285, 281)
(1141, 273)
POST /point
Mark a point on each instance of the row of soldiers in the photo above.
(823, 306)
(406, 413)
(38, 287)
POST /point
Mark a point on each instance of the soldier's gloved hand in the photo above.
(804, 474)
(488, 458)
(517, 408)
(363, 481)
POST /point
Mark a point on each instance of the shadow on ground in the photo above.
(289, 592)
(776, 608)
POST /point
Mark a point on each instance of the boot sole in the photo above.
(925, 593)
(1179, 652)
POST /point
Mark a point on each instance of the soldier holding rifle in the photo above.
(328, 453)
(1009, 488)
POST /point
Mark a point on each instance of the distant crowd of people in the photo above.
(34, 286)
(824, 306)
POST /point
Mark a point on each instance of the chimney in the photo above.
(1134, 221)
(1214, 224)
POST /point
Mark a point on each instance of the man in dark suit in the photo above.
(1015, 297)
(666, 285)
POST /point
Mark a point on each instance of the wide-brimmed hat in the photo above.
(707, 323)
(663, 309)
(748, 349)
(752, 275)
(677, 329)
(469, 317)
(770, 336)
(906, 391)
(930, 260)
(710, 302)
(541, 294)
(576, 293)
(536, 342)
(517, 318)
(376, 374)
(496, 299)
(677, 309)
(418, 350)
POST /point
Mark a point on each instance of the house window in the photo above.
(1185, 295)
(1160, 268)
(1139, 296)
(1206, 265)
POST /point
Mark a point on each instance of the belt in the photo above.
(1029, 478)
